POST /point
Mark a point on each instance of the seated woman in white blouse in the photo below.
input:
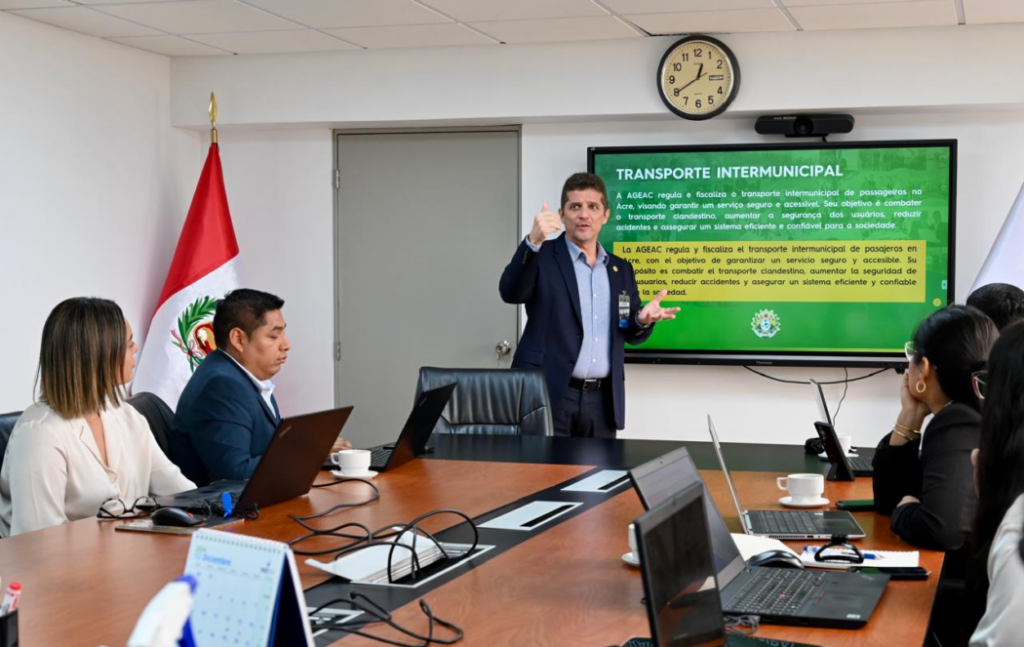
(80, 444)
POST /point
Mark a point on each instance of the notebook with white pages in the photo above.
(248, 592)
(872, 559)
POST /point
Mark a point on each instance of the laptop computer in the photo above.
(787, 524)
(842, 469)
(860, 465)
(812, 598)
(412, 441)
(679, 577)
(285, 471)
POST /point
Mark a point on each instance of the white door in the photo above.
(426, 222)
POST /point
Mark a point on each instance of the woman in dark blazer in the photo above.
(924, 476)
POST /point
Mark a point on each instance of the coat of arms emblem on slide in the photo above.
(765, 324)
(194, 335)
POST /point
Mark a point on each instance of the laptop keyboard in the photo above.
(775, 591)
(379, 458)
(861, 464)
(783, 522)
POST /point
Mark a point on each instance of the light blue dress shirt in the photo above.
(595, 358)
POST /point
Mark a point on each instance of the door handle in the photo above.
(503, 349)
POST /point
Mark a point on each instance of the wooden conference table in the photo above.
(85, 584)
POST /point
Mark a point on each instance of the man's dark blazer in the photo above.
(546, 282)
(222, 425)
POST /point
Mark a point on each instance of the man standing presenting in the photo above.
(582, 306)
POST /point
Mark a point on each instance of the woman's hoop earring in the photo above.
(920, 387)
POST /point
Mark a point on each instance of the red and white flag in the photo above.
(1005, 262)
(204, 269)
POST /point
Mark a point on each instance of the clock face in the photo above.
(698, 77)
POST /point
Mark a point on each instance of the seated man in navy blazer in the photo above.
(582, 305)
(227, 413)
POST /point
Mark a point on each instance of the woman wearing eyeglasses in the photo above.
(997, 573)
(80, 444)
(924, 476)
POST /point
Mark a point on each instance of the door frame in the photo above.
(336, 135)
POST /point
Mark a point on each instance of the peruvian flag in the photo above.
(204, 269)
(1005, 263)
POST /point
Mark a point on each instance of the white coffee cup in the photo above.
(632, 540)
(802, 488)
(352, 462)
(846, 441)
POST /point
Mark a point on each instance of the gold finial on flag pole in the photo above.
(213, 119)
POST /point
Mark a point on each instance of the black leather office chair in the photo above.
(492, 401)
(7, 421)
(157, 414)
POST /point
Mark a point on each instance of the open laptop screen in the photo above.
(658, 480)
(819, 395)
(679, 578)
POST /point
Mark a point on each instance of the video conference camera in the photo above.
(803, 125)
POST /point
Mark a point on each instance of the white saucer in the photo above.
(850, 454)
(788, 502)
(369, 474)
(631, 559)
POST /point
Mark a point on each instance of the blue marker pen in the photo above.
(225, 501)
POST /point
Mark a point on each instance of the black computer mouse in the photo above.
(174, 517)
(776, 559)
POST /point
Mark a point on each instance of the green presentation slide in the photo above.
(827, 249)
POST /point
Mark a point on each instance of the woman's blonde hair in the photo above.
(81, 359)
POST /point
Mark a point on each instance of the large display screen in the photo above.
(785, 254)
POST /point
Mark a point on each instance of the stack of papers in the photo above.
(872, 558)
(749, 545)
(370, 565)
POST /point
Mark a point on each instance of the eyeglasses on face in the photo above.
(979, 380)
(910, 350)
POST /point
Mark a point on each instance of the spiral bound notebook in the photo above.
(248, 592)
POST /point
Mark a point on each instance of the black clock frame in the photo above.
(735, 74)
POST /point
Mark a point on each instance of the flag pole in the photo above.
(213, 118)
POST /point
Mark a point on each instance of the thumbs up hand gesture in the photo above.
(545, 223)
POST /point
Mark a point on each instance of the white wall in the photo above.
(280, 187)
(94, 183)
(280, 191)
(889, 70)
(672, 401)
(590, 94)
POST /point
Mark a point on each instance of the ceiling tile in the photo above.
(679, 6)
(170, 46)
(86, 21)
(977, 12)
(411, 36)
(926, 13)
(351, 13)
(487, 10)
(714, 22)
(33, 4)
(817, 3)
(274, 42)
(557, 30)
(200, 17)
(102, 2)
